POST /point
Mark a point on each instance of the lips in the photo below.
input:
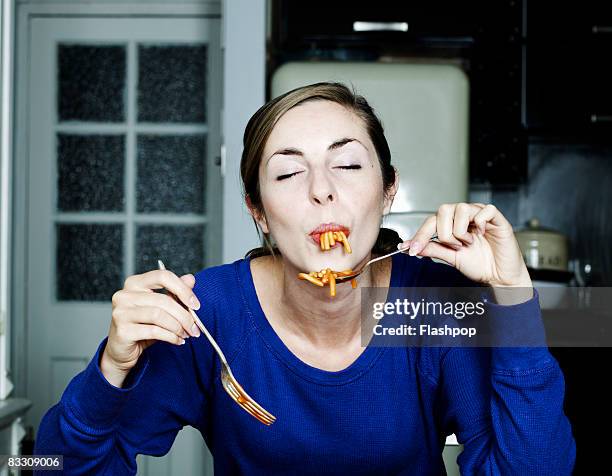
(325, 227)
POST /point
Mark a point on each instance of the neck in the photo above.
(309, 312)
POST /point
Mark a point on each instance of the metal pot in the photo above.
(542, 248)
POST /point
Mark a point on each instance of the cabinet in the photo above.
(321, 23)
(568, 67)
(483, 37)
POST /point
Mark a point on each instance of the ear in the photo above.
(260, 219)
(390, 195)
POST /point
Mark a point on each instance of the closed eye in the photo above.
(286, 176)
(349, 167)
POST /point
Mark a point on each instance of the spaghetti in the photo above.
(329, 238)
(327, 276)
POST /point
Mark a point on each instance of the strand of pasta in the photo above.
(329, 238)
(327, 276)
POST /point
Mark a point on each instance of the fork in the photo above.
(229, 382)
(354, 273)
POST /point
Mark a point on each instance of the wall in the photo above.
(569, 189)
(244, 93)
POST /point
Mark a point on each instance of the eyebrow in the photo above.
(333, 146)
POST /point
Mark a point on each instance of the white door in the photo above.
(123, 141)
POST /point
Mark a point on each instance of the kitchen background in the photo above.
(538, 144)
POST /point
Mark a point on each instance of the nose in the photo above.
(322, 189)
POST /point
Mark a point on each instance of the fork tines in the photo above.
(237, 393)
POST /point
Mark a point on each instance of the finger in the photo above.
(489, 214)
(138, 332)
(423, 235)
(444, 225)
(181, 315)
(189, 280)
(439, 251)
(159, 317)
(404, 245)
(464, 213)
(166, 279)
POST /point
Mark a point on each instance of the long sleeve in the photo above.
(505, 404)
(100, 428)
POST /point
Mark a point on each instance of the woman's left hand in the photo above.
(477, 240)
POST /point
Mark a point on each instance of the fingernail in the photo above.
(184, 335)
(414, 249)
(194, 303)
(182, 342)
(194, 330)
(403, 246)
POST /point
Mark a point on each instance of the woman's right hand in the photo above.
(141, 316)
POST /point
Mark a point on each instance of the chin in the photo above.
(336, 263)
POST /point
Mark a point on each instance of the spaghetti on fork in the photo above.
(327, 276)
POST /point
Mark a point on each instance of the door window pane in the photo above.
(180, 247)
(91, 83)
(89, 261)
(90, 172)
(105, 179)
(172, 83)
(171, 173)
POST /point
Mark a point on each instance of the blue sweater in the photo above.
(389, 412)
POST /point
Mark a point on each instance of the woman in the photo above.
(315, 160)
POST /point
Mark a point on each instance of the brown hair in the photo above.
(263, 121)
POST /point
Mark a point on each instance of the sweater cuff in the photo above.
(519, 336)
(96, 400)
(520, 359)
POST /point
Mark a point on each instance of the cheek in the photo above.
(368, 204)
(283, 210)
(368, 193)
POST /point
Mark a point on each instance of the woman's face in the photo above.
(319, 167)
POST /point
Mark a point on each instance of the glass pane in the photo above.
(89, 261)
(180, 247)
(171, 173)
(172, 83)
(90, 172)
(91, 83)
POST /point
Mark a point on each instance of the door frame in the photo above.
(25, 14)
(7, 43)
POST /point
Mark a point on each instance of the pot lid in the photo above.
(533, 225)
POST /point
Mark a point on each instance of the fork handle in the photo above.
(208, 336)
(384, 256)
(160, 265)
(433, 238)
